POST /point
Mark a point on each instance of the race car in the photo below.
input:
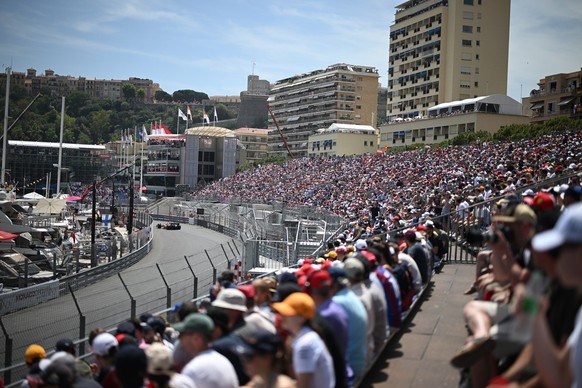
(169, 226)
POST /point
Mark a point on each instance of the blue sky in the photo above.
(211, 46)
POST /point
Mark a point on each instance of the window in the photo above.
(476, 84)
(358, 107)
(371, 144)
(468, 29)
(468, 2)
(465, 84)
(467, 43)
(365, 143)
(477, 56)
(478, 15)
(466, 56)
(478, 29)
(476, 70)
(478, 42)
(468, 15)
(465, 70)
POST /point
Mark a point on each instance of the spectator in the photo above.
(82, 366)
(105, 347)
(312, 363)
(208, 368)
(32, 357)
(418, 254)
(131, 367)
(159, 369)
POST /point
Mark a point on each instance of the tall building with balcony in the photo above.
(341, 93)
(446, 50)
(557, 95)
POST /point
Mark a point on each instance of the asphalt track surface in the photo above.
(106, 303)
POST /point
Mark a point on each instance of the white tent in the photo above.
(33, 195)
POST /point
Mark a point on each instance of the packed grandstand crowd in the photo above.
(323, 323)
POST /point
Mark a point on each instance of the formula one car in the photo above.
(169, 226)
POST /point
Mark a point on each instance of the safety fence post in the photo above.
(81, 321)
(168, 289)
(131, 298)
(195, 293)
(7, 355)
(213, 267)
(226, 257)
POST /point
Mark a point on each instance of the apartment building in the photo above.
(341, 93)
(344, 140)
(557, 95)
(60, 85)
(253, 143)
(446, 50)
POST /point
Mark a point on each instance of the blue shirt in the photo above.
(338, 319)
(357, 327)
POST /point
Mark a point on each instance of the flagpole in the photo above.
(178, 122)
(133, 164)
(141, 168)
(61, 147)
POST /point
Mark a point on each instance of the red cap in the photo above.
(248, 290)
(543, 201)
(372, 259)
(319, 279)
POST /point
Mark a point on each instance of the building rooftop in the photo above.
(251, 131)
(43, 144)
(210, 131)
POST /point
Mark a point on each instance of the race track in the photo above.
(106, 303)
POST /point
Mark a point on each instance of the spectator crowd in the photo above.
(323, 323)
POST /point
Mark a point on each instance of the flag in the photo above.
(182, 115)
(130, 136)
(215, 115)
(189, 112)
(164, 130)
(144, 133)
(205, 118)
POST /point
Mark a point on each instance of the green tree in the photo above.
(129, 91)
(140, 95)
(162, 96)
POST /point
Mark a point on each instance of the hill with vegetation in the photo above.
(97, 121)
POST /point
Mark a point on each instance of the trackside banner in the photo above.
(27, 297)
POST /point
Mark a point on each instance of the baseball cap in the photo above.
(521, 212)
(331, 255)
(200, 323)
(341, 249)
(267, 282)
(33, 353)
(529, 193)
(248, 290)
(354, 268)
(286, 289)
(103, 342)
(298, 303)
(159, 358)
(64, 344)
(361, 244)
(410, 234)
(126, 327)
(231, 299)
(260, 341)
(543, 201)
(429, 224)
(130, 360)
(568, 229)
(319, 279)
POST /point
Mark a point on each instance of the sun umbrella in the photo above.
(7, 236)
(73, 198)
(50, 206)
(33, 195)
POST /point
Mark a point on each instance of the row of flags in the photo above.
(128, 136)
(188, 115)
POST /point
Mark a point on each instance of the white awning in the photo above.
(538, 105)
(566, 101)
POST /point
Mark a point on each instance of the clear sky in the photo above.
(211, 46)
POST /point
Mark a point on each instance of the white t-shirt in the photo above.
(180, 381)
(210, 369)
(310, 355)
(413, 268)
(575, 345)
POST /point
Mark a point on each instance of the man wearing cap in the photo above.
(561, 367)
(67, 345)
(32, 357)
(312, 363)
(105, 348)
(159, 368)
(418, 254)
(208, 368)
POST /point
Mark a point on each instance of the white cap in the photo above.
(528, 193)
(102, 343)
(361, 245)
(568, 229)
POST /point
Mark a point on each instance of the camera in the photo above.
(475, 236)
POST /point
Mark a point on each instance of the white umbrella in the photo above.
(33, 195)
(50, 206)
